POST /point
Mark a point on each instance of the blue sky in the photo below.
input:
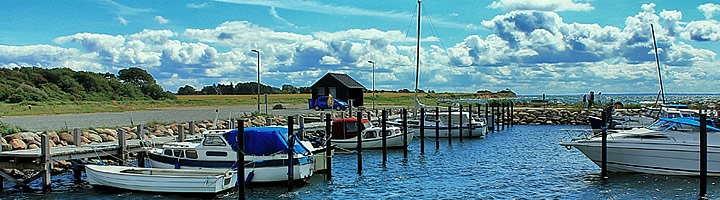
(529, 46)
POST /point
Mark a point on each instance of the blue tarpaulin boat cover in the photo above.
(693, 121)
(264, 141)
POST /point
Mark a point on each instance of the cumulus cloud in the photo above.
(161, 20)
(541, 5)
(709, 9)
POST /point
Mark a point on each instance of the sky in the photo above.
(529, 46)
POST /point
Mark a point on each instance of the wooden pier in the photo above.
(41, 159)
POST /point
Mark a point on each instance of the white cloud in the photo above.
(196, 5)
(541, 5)
(329, 60)
(709, 9)
(122, 20)
(702, 31)
(161, 20)
(121, 9)
(274, 13)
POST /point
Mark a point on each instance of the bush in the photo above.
(7, 129)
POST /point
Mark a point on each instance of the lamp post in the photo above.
(258, 81)
(373, 82)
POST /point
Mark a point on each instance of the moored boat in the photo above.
(345, 133)
(670, 146)
(266, 154)
(161, 180)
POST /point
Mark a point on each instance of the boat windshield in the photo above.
(662, 125)
(367, 124)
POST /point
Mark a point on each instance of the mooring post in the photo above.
(191, 126)
(503, 116)
(77, 170)
(76, 137)
(46, 164)
(703, 156)
(470, 120)
(359, 142)
(241, 159)
(328, 147)
(181, 132)
(122, 143)
(405, 128)
(509, 119)
(603, 166)
(384, 137)
(140, 132)
(291, 152)
(497, 117)
(460, 123)
(141, 159)
(437, 128)
(512, 113)
(422, 130)
(449, 125)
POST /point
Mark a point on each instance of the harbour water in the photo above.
(624, 98)
(521, 162)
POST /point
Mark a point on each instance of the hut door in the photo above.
(333, 91)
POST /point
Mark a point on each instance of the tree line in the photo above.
(63, 84)
(241, 88)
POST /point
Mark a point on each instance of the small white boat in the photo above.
(265, 154)
(161, 180)
(477, 127)
(670, 146)
(345, 134)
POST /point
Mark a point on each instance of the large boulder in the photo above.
(3, 141)
(33, 146)
(18, 144)
(67, 137)
(94, 138)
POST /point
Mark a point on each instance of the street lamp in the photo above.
(373, 82)
(258, 81)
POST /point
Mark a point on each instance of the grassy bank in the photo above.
(70, 107)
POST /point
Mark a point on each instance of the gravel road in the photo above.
(56, 122)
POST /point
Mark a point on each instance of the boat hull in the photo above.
(262, 172)
(393, 141)
(477, 131)
(161, 180)
(662, 158)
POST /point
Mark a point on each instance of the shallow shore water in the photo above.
(521, 162)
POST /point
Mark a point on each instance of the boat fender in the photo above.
(249, 177)
(177, 164)
(568, 147)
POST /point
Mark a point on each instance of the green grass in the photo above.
(7, 129)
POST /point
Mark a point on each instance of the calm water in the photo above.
(624, 98)
(523, 162)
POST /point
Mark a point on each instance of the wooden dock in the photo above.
(42, 158)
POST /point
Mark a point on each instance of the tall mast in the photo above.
(657, 60)
(417, 52)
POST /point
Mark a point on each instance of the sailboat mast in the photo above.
(417, 52)
(657, 60)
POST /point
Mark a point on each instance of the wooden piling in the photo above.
(512, 113)
(191, 126)
(384, 137)
(77, 171)
(460, 123)
(405, 128)
(291, 153)
(240, 159)
(422, 130)
(487, 120)
(181, 132)
(470, 119)
(502, 116)
(703, 156)
(76, 137)
(603, 166)
(141, 159)
(122, 143)
(437, 128)
(328, 147)
(140, 132)
(46, 161)
(359, 143)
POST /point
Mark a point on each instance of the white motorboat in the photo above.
(477, 127)
(670, 146)
(266, 154)
(345, 133)
(161, 180)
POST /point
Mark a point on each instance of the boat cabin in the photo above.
(444, 117)
(348, 128)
